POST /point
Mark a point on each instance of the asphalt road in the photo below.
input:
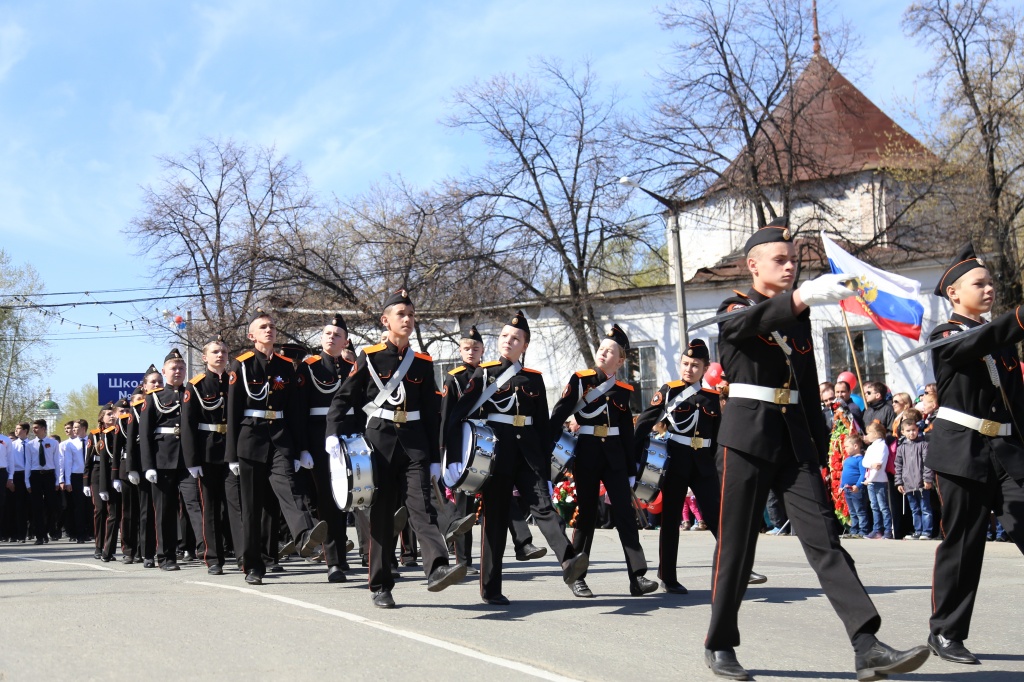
(65, 614)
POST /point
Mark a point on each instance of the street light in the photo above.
(677, 260)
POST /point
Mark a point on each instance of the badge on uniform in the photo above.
(188, 396)
(232, 377)
(656, 400)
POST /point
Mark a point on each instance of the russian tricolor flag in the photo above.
(888, 300)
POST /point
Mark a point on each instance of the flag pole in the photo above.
(853, 354)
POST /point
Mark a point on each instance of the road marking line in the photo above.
(69, 563)
(424, 639)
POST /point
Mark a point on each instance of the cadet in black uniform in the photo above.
(773, 436)
(320, 376)
(400, 397)
(130, 535)
(111, 443)
(975, 446)
(604, 454)
(518, 412)
(94, 456)
(264, 419)
(146, 519)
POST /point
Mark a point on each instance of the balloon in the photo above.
(850, 378)
(655, 506)
(714, 374)
(857, 399)
(178, 319)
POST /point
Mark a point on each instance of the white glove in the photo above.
(233, 467)
(105, 496)
(435, 471)
(825, 289)
(305, 460)
(333, 446)
(133, 477)
(87, 491)
(151, 475)
(195, 472)
(117, 485)
(632, 481)
(452, 473)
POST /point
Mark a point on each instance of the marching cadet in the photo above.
(130, 548)
(111, 443)
(94, 458)
(773, 436)
(203, 440)
(143, 519)
(41, 482)
(263, 432)
(691, 414)
(513, 401)
(319, 378)
(16, 482)
(975, 446)
(73, 472)
(395, 387)
(163, 463)
(604, 454)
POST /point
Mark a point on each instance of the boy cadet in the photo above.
(262, 436)
(144, 516)
(395, 387)
(41, 481)
(975, 446)
(111, 441)
(773, 436)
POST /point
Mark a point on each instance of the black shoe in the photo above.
(80, 541)
(581, 589)
(724, 664)
(364, 561)
(641, 586)
(574, 568)
(349, 546)
(317, 556)
(127, 560)
(500, 600)
(460, 527)
(336, 575)
(39, 541)
(287, 549)
(444, 576)
(276, 568)
(383, 600)
(189, 556)
(529, 552)
(180, 554)
(215, 569)
(97, 555)
(107, 559)
(757, 578)
(674, 587)
(410, 563)
(472, 571)
(170, 566)
(882, 660)
(253, 578)
(395, 575)
(951, 650)
(149, 563)
(313, 539)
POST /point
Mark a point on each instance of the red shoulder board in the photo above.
(675, 384)
(532, 371)
(197, 378)
(424, 356)
(711, 391)
(283, 357)
(740, 294)
(623, 384)
(245, 356)
(586, 373)
(311, 359)
(375, 349)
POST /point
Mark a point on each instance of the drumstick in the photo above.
(437, 493)
(637, 510)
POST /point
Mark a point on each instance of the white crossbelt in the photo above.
(779, 396)
(322, 411)
(170, 430)
(599, 430)
(696, 443)
(215, 428)
(269, 415)
(982, 426)
(511, 419)
(389, 415)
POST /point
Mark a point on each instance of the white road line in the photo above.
(69, 563)
(425, 639)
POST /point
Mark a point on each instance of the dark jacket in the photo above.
(705, 404)
(161, 410)
(881, 411)
(205, 402)
(911, 473)
(320, 377)
(258, 382)
(610, 410)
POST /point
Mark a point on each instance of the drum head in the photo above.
(468, 443)
(339, 478)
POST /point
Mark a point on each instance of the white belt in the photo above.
(599, 431)
(779, 396)
(396, 416)
(269, 415)
(511, 419)
(322, 411)
(982, 426)
(216, 428)
(170, 430)
(697, 443)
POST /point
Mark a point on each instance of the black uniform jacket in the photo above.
(750, 355)
(699, 416)
(612, 410)
(204, 401)
(524, 394)
(965, 385)
(110, 443)
(421, 395)
(320, 377)
(161, 410)
(454, 385)
(256, 382)
(93, 450)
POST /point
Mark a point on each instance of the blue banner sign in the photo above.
(113, 387)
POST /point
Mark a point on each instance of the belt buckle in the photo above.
(989, 428)
(400, 417)
(601, 431)
(782, 396)
(697, 443)
(519, 420)
(177, 430)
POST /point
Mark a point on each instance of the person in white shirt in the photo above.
(16, 484)
(5, 448)
(875, 459)
(72, 468)
(41, 482)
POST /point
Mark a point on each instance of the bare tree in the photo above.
(23, 345)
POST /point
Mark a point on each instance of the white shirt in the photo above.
(15, 458)
(5, 447)
(878, 453)
(72, 459)
(50, 455)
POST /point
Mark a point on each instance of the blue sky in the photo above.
(91, 93)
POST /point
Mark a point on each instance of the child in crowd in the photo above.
(690, 508)
(927, 406)
(913, 479)
(853, 488)
(877, 480)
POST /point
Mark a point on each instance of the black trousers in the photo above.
(213, 500)
(233, 513)
(147, 520)
(3, 500)
(78, 509)
(683, 474)
(256, 481)
(745, 484)
(21, 507)
(110, 533)
(130, 520)
(517, 526)
(966, 505)
(590, 470)
(328, 510)
(99, 519)
(171, 483)
(45, 503)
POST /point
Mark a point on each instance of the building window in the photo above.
(867, 343)
(641, 372)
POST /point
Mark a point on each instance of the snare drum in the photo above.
(353, 479)
(655, 463)
(479, 446)
(563, 455)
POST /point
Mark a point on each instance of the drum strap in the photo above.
(594, 394)
(683, 396)
(384, 391)
(492, 388)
